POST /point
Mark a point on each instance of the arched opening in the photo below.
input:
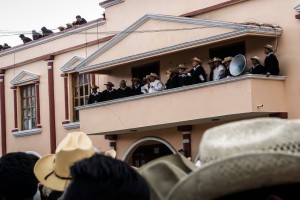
(146, 150)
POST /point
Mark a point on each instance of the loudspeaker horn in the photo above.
(237, 65)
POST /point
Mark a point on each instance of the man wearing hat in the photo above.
(219, 71)
(155, 84)
(212, 68)
(271, 62)
(95, 96)
(173, 81)
(109, 93)
(256, 68)
(25, 39)
(183, 78)
(136, 86)
(79, 20)
(36, 35)
(46, 31)
(123, 90)
(226, 62)
(197, 73)
(146, 85)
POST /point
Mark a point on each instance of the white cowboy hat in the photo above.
(53, 170)
(153, 75)
(227, 59)
(268, 46)
(241, 156)
(255, 58)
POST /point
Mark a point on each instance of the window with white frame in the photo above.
(81, 92)
(28, 107)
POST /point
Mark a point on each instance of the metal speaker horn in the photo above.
(237, 65)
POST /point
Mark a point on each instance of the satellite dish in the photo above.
(237, 65)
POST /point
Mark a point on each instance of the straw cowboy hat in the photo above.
(94, 87)
(210, 61)
(53, 170)
(217, 59)
(152, 75)
(162, 174)
(109, 83)
(110, 153)
(181, 66)
(255, 58)
(268, 46)
(227, 59)
(197, 60)
(242, 156)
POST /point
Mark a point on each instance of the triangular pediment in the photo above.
(166, 34)
(297, 8)
(24, 77)
(72, 63)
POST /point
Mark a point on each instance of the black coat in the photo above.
(82, 21)
(36, 36)
(123, 93)
(46, 32)
(94, 98)
(272, 65)
(198, 75)
(259, 69)
(183, 80)
(211, 75)
(136, 90)
(26, 39)
(227, 73)
(172, 82)
(106, 95)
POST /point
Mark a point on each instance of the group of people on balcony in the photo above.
(46, 32)
(179, 77)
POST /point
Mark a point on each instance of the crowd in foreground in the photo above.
(245, 160)
(46, 32)
(180, 76)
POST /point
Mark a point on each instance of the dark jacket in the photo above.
(36, 36)
(198, 75)
(227, 73)
(272, 65)
(172, 82)
(46, 31)
(106, 95)
(94, 98)
(82, 21)
(123, 93)
(183, 80)
(211, 75)
(259, 69)
(26, 39)
(136, 90)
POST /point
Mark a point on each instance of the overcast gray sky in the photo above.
(22, 16)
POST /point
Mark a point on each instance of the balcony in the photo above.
(228, 99)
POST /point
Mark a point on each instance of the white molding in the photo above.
(68, 66)
(132, 146)
(111, 3)
(297, 8)
(184, 88)
(72, 125)
(239, 29)
(34, 131)
(18, 79)
(50, 38)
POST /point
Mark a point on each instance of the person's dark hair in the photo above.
(17, 180)
(22, 36)
(284, 192)
(78, 16)
(105, 178)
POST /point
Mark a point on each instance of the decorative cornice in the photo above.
(108, 3)
(27, 132)
(72, 125)
(297, 8)
(18, 79)
(180, 89)
(239, 29)
(69, 65)
(55, 36)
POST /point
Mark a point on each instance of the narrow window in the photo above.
(28, 106)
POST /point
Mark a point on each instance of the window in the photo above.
(228, 50)
(81, 92)
(143, 70)
(28, 107)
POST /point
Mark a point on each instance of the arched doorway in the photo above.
(147, 149)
